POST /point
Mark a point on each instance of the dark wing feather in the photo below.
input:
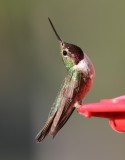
(63, 120)
(45, 130)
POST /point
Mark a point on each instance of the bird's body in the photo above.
(77, 83)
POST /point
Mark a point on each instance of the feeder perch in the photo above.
(113, 109)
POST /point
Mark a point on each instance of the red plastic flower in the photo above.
(113, 109)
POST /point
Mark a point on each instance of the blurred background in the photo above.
(31, 72)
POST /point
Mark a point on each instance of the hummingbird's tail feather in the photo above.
(45, 130)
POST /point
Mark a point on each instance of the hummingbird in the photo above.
(77, 83)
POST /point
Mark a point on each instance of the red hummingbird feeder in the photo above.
(113, 109)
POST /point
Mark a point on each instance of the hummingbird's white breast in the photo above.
(85, 66)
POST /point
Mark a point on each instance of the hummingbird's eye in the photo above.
(65, 53)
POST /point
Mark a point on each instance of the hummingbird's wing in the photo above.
(45, 130)
(64, 118)
(63, 106)
(67, 99)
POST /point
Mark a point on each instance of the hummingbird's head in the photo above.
(71, 54)
(74, 57)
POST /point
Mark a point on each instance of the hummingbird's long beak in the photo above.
(58, 37)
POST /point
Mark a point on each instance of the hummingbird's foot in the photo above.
(77, 104)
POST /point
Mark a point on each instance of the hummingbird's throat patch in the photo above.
(69, 63)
